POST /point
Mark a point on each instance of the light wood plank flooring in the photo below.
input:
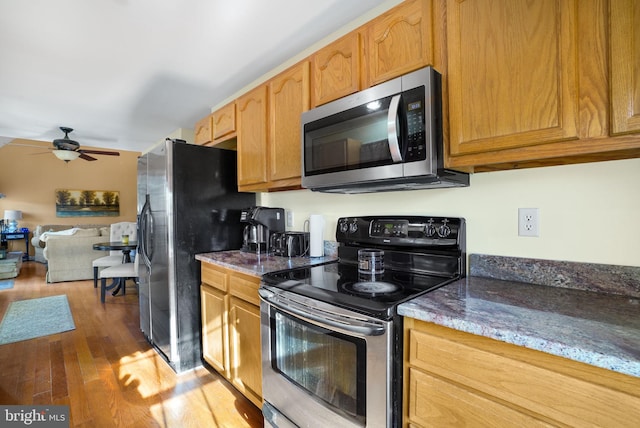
(105, 371)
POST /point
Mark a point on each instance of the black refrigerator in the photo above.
(188, 203)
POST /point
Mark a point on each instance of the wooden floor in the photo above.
(105, 371)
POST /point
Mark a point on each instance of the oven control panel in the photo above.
(399, 230)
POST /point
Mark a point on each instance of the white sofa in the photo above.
(69, 255)
(39, 245)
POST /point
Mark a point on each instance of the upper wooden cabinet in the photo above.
(624, 25)
(525, 83)
(399, 41)
(541, 83)
(224, 123)
(395, 43)
(252, 138)
(269, 131)
(513, 75)
(288, 98)
(202, 131)
(336, 69)
(217, 128)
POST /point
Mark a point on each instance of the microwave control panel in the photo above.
(413, 104)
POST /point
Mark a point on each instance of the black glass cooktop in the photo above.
(342, 285)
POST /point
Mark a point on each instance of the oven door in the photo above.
(322, 365)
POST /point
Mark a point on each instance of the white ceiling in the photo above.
(127, 73)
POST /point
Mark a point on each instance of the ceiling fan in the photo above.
(67, 149)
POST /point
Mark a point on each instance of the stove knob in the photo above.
(430, 230)
(353, 227)
(444, 231)
(344, 227)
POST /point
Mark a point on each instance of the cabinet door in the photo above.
(214, 328)
(202, 131)
(246, 360)
(252, 137)
(513, 73)
(336, 69)
(288, 98)
(625, 65)
(400, 40)
(224, 121)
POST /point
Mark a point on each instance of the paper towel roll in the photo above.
(316, 235)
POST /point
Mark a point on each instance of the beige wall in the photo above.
(30, 176)
(588, 213)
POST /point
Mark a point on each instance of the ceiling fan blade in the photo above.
(87, 157)
(99, 152)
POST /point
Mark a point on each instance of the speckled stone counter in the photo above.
(258, 265)
(596, 328)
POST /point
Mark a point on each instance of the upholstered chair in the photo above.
(119, 274)
(115, 257)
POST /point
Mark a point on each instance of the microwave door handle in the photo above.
(392, 129)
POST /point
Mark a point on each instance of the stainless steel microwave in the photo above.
(388, 137)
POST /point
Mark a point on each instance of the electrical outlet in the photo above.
(528, 222)
(289, 218)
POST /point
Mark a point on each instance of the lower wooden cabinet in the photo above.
(454, 378)
(231, 328)
(246, 358)
(214, 333)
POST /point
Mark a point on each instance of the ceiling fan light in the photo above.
(66, 155)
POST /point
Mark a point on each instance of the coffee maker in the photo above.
(262, 222)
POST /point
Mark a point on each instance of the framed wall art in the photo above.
(87, 203)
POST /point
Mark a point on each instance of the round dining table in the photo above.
(118, 245)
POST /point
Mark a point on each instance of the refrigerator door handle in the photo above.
(146, 224)
(149, 236)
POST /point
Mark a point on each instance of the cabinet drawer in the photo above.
(244, 287)
(214, 276)
(430, 404)
(552, 387)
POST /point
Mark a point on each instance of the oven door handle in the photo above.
(308, 313)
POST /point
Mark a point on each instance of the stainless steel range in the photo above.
(331, 337)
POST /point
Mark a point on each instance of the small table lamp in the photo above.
(12, 216)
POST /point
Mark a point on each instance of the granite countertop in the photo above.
(597, 328)
(259, 264)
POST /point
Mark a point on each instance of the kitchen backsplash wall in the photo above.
(588, 212)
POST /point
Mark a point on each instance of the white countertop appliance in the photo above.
(331, 335)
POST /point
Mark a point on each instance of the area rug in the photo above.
(6, 284)
(28, 319)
